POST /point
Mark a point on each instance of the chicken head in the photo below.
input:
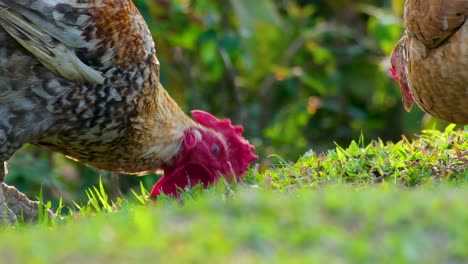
(398, 71)
(215, 149)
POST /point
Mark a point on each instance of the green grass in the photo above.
(390, 203)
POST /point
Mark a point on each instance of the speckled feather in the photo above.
(82, 78)
(436, 57)
(433, 21)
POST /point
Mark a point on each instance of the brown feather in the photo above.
(128, 123)
(436, 57)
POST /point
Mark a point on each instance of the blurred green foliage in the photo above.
(298, 74)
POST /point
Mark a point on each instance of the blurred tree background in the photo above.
(298, 74)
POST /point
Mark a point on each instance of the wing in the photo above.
(79, 39)
(433, 21)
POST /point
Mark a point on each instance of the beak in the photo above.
(229, 175)
(406, 96)
(408, 104)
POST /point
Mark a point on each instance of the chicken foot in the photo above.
(15, 205)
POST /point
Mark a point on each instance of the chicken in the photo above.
(430, 62)
(81, 77)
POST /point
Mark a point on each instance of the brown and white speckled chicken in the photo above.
(430, 61)
(81, 77)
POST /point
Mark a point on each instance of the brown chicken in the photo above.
(430, 61)
(81, 77)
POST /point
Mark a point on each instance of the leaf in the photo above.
(251, 12)
(354, 149)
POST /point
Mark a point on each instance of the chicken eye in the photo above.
(215, 149)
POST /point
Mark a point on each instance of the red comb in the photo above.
(240, 151)
(394, 74)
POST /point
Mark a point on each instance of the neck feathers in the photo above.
(160, 125)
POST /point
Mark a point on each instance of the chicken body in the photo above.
(105, 118)
(431, 60)
(81, 77)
